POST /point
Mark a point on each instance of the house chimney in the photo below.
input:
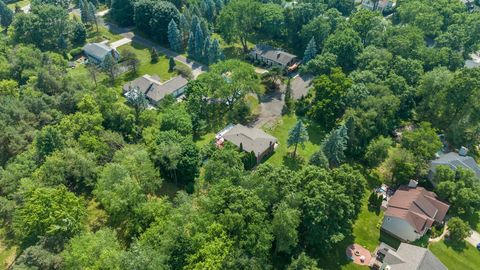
(463, 151)
(412, 183)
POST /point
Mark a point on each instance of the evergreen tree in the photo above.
(319, 159)
(184, 28)
(198, 39)
(62, 44)
(83, 6)
(215, 52)
(311, 51)
(334, 146)
(219, 5)
(79, 33)
(92, 10)
(288, 107)
(191, 45)
(298, 135)
(153, 56)
(194, 22)
(174, 36)
(206, 49)
(171, 64)
(6, 15)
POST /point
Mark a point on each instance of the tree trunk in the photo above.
(295, 150)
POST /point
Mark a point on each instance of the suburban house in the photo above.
(378, 5)
(274, 57)
(249, 140)
(96, 52)
(155, 90)
(412, 211)
(454, 160)
(406, 257)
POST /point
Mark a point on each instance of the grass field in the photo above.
(466, 257)
(160, 68)
(282, 154)
(7, 255)
(20, 3)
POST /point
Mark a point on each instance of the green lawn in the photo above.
(207, 138)
(366, 229)
(457, 258)
(101, 35)
(282, 155)
(7, 254)
(21, 3)
(160, 68)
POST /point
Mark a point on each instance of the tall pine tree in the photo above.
(191, 45)
(215, 53)
(174, 36)
(206, 49)
(199, 39)
(92, 18)
(310, 52)
(184, 28)
(334, 146)
(298, 135)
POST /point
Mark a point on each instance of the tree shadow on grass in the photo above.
(336, 258)
(316, 133)
(455, 245)
(293, 163)
(389, 240)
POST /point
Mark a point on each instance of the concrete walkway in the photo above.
(120, 42)
(439, 238)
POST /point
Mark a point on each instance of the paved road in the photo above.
(474, 239)
(196, 67)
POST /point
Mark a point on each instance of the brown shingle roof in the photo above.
(419, 207)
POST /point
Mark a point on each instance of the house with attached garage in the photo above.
(155, 90)
(250, 140)
(271, 57)
(412, 211)
(406, 257)
(96, 52)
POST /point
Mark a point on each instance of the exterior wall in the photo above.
(400, 228)
(179, 92)
(267, 152)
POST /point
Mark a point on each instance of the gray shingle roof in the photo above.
(251, 139)
(159, 91)
(273, 54)
(454, 161)
(410, 257)
(97, 50)
(153, 88)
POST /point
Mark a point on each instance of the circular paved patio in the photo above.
(356, 252)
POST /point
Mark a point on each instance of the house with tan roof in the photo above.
(274, 57)
(249, 140)
(155, 90)
(411, 212)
